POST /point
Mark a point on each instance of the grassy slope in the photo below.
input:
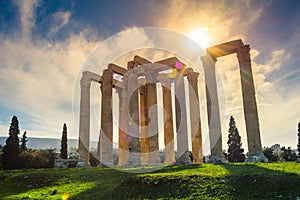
(230, 181)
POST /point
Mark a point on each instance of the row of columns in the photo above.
(138, 123)
(138, 119)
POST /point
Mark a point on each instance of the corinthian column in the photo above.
(133, 117)
(123, 123)
(106, 133)
(213, 110)
(143, 126)
(152, 123)
(195, 118)
(250, 106)
(181, 122)
(168, 121)
(84, 121)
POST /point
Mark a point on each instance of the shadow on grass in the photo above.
(13, 182)
(241, 181)
(253, 181)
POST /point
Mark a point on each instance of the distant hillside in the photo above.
(46, 143)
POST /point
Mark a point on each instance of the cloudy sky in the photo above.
(45, 44)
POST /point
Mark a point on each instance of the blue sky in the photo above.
(44, 43)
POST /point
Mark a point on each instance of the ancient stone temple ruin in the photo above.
(138, 141)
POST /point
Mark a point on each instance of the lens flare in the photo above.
(65, 196)
(200, 37)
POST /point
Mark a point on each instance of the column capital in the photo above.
(243, 53)
(151, 77)
(207, 58)
(165, 80)
(193, 77)
(108, 72)
(85, 82)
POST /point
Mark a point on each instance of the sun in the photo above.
(200, 37)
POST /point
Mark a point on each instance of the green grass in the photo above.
(207, 181)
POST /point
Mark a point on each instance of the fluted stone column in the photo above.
(143, 125)
(106, 132)
(213, 110)
(195, 118)
(133, 117)
(168, 121)
(181, 121)
(123, 152)
(152, 118)
(250, 106)
(84, 121)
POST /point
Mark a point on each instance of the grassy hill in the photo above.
(207, 181)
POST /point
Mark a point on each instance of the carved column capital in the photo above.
(243, 53)
(85, 82)
(151, 77)
(165, 80)
(193, 77)
(208, 62)
(108, 72)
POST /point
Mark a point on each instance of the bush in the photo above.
(288, 154)
(36, 159)
(269, 153)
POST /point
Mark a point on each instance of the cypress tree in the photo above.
(11, 150)
(235, 152)
(298, 140)
(64, 143)
(23, 142)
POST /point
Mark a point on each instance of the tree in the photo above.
(298, 140)
(235, 152)
(269, 153)
(11, 149)
(288, 154)
(64, 143)
(23, 142)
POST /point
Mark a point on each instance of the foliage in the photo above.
(64, 143)
(11, 149)
(23, 142)
(37, 159)
(298, 140)
(235, 152)
(288, 154)
(207, 181)
(269, 153)
(1, 153)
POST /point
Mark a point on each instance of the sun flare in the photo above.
(200, 37)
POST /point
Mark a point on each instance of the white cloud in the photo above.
(60, 19)
(38, 78)
(26, 11)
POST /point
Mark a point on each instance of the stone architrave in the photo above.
(84, 121)
(195, 118)
(168, 121)
(250, 106)
(181, 121)
(123, 152)
(152, 118)
(106, 132)
(133, 117)
(213, 111)
(143, 126)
